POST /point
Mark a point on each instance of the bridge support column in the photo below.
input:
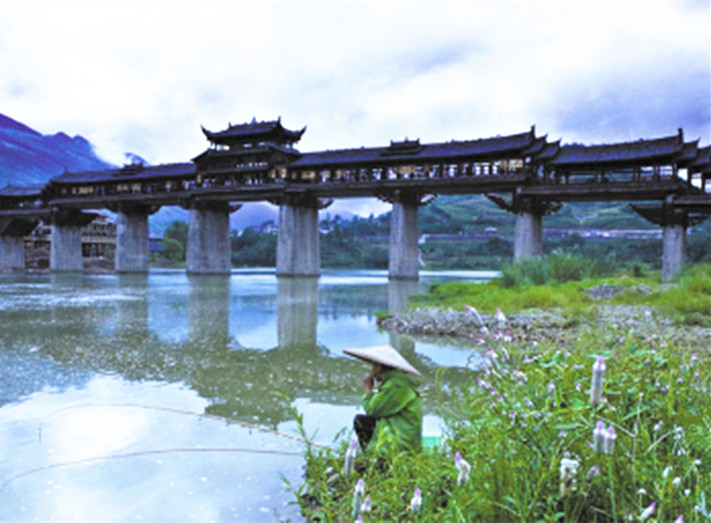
(298, 243)
(528, 235)
(673, 241)
(65, 254)
(404, 260)
(12, 253)
(132, 239)
(208, 249)
(528, 231)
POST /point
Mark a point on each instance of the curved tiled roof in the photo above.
(21, 191)
(625, 152)
(253, 130)
(128, 173)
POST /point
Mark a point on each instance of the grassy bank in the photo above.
(526, 437)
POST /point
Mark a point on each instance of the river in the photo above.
(164, 397)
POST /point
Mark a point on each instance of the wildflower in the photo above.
(350, 457)
(416, 501)
(551, 388)
(609, 438)
(687, 491)
(562, 434)
(642, 491)
(528, 403)
(359, 518)
(648, 314)
(358, 493)
(464, 468)
(598, 375)
(599, 437)
(476, 314)
(666, 472)
(648, 511)
(694, 359)
(592, 473)
(676, 481)
(568, 469)
(679, 519)
(365, 507)
(658, 426)
(500, 318)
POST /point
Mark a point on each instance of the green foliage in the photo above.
(178, 231)
(173, 250)
(556, 267)
(521, 413)
(253, 249)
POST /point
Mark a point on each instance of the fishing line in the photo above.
(183, 412)
(140, 453)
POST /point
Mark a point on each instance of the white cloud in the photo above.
(143, 76)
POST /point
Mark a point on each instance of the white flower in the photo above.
(365, 507)
(648, 511)
(599, 437)
(679, 519)
(358, 493)
(568, 469)
(464, 468)
(350, 457)
(593, 472)
(676, 481)
(598, 375)
(666, 472)
(500, 318)
(416, 501)
(609, 438)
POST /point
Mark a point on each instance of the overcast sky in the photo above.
(143, 76)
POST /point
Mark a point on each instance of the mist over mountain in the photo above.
(29, 157)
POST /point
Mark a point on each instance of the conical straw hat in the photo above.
(385, 355)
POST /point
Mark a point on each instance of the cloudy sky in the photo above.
(143, 76)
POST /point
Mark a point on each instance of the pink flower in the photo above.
(464, 468)
(648, 511)
(416, 501)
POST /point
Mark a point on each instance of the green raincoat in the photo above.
(398, 407)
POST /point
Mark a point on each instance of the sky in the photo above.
(143, 76)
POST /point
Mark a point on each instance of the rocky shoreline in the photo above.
(464, 327)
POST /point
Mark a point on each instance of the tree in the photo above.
(178, 231)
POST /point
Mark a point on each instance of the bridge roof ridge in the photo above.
(121, 173)
(619, 152)
(21, 190)
(253, 129)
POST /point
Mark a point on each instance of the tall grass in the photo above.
(528, 409)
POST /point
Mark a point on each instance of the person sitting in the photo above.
(393, 409)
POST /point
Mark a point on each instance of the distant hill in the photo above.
(29, 157)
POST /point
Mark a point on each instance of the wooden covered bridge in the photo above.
(525, 174)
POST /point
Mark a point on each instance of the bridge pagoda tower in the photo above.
(248, 155)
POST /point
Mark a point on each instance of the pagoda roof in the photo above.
(702, 161)
(259, 149)
(253, 131)
(412, 150)
(127, 173)
(625, 152)
(21, 191)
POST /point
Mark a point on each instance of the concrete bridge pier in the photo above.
(208, 250)
(65, 254)
(404, 256)
(528, 231)
(132, 238)
(298, 243)
(673, 242)
(12, 243)
(12, 253)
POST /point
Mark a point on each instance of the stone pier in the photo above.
(132, 238)
(12, 243)
(673, 250)
(298, 244)
(528, 235)
(404, 257)
(208, 249)
(65, 254)
(12, 253)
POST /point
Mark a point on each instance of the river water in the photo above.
(164, 397)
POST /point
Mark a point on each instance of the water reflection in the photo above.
(209, 311)
(297, 311)
(246, 347)
(399, 293)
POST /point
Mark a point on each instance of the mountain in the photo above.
(29, 157)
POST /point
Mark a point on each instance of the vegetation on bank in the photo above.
(602, 424)
(532, 446)
(568, 283)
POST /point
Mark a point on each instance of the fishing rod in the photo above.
(203, 415)
(140, 453)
